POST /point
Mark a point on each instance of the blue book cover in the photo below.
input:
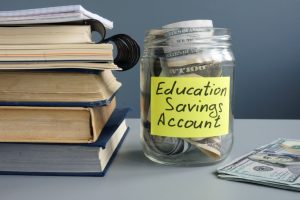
(103, 102)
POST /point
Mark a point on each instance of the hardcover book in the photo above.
(52, 88)
(53, 124)
(66, 159)
(56, 53)
(46, 34)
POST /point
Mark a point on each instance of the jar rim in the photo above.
(204, 36)
(187, 27)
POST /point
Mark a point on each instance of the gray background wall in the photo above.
(265, 37)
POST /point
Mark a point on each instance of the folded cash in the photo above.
(209, 146)
(191, 23)
(276, 164)
(187, 31)
(206, 69)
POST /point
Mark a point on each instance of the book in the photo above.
(57, 88)
(58, 65)
(55, 53)
(66, 159)
(65, 55)
(46, 34)
(53, 124)
(57, 14)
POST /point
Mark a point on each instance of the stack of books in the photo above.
(58, 112)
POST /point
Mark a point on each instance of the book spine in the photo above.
(128, 50)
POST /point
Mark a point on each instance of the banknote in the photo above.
(276, 164)
(209, 146)
(205, 69)
(190, 23)
(183, 41)
(261, 182)
(185, 32)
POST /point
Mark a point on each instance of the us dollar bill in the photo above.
(190, 23)
(187, 31)
(183, 39)
(276, 164)
(205, 69)
(209, 146)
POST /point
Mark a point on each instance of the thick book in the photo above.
(66, 159)
(58, 65)
(57, 53)
(57, 88)
(53, 124)
(47, 34)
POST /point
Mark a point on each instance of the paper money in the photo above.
(206, 69)
(180, 52)
(191, 23)
(273, 165)
(187, 31)
(209, 146)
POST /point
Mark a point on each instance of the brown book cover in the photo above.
(46, 34)
(53, 124)
(49, 86)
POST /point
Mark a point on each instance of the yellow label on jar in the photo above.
(190, 106)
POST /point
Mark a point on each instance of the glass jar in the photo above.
(186, 83)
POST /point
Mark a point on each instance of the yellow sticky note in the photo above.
(188, 107)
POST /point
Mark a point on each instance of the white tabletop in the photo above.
(132, 176)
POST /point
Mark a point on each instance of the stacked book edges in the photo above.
(58, 109)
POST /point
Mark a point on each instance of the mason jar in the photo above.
(186, 84)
